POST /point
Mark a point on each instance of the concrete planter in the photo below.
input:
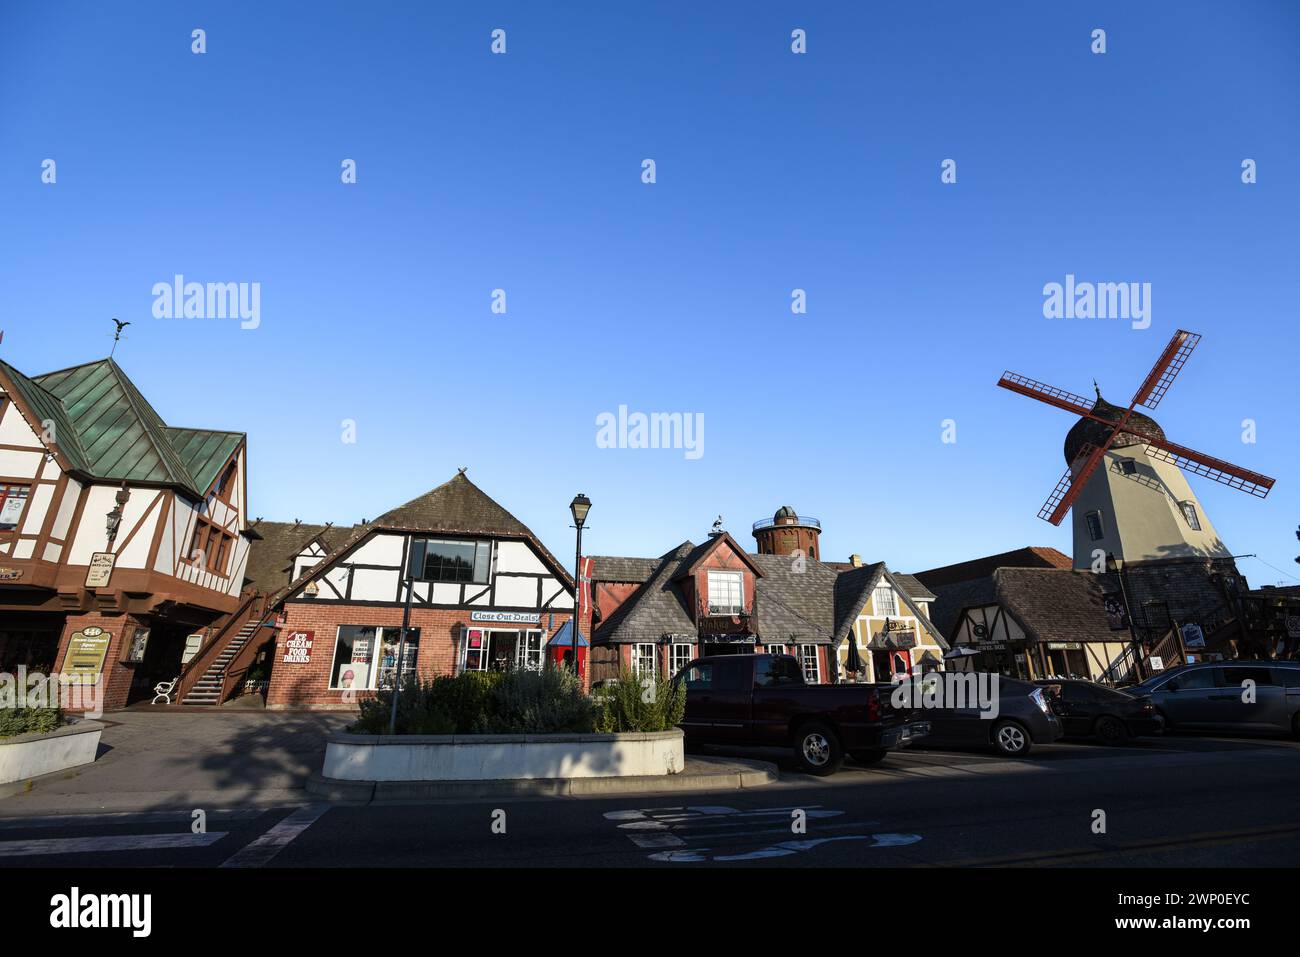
(501, 757)
(29, 755)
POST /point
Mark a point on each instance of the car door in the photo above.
(1187, 698)
(697, 720)
(733, 686)
(949, 723)
(1076, 707)
(1240, 684)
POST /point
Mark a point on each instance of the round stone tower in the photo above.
(787, 532)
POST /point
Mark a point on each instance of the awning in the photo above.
(893, 641)
(961, 651)
(564, 637)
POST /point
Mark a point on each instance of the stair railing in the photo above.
(195, 668)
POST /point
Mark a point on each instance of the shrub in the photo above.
(540, 702)
(14, 721)
(630, 703)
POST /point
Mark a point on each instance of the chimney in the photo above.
(855, 560)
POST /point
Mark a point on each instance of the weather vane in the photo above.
(118, 334)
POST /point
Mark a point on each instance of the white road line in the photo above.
(260, 852)
(108, 844)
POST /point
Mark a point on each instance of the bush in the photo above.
(630, 703)
(483, 702)
(14, 721)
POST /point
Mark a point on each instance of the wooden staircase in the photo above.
(209, 689)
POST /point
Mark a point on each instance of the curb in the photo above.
(738, 775)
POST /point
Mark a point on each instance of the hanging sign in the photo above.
(510, 617)
(1157, 663)
(297, 647)
(100, 570)
(10, 574)
(85, 658)
(1193, 637)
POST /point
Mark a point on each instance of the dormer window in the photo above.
(726, 593)
(884, 601)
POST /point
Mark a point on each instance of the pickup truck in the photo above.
(763, 701)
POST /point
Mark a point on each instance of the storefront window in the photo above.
(812, 673)
(365, 657)
(530, 651)
(643, 660)
(498, 650)
(681, 657)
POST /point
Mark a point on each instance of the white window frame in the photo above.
(528, 657)
(808, 657)
(728, 581)
(639, 652)
(775, 649)
(884, 602)
(676, 659)
(1193, 520)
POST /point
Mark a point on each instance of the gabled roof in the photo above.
(271, 554)
(853, 588)
(701, 552)
(655, 609)
(456, 507)
(618, 568)
(1030, 557)
(1057, 604)
(106, 430)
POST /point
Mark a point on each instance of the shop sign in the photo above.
(1193, 637)
(1064, 645)
(139, 642)
(86, 652)
(1157, 663)
(10, 574)
(297, 647)
(100, 569)
(192, 645)
(508, 617)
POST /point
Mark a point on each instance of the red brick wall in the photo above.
(116, 679)
(307, 685)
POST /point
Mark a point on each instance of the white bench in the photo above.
(164, 690)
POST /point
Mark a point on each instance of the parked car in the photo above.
(758, 700)
(1090, 710)
(1211, 696)
(1023, 718)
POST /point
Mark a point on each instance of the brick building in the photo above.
(488, 595)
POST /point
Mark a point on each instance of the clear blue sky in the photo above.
(775, 171)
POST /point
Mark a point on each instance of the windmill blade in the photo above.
(1071, 483)
(1198, 463)
(1166, 369)
(1046, 393)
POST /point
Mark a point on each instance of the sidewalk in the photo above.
(216, 759)
(154, 761)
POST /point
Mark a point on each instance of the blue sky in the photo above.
(775, 171)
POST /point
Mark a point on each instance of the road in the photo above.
(1177, 801)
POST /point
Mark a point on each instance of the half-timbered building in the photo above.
(484, 594)
(119, 534)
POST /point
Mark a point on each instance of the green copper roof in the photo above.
(115, 434)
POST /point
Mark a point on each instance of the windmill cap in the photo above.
(1089, 432)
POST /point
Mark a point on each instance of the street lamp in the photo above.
(578, 508)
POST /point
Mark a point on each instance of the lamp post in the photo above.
(1116, 567)
(578, 508)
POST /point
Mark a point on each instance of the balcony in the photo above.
(802, 521)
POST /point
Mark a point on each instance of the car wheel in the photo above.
(870, 757)
(1011, 739)
(1110, 730)
(817, 749)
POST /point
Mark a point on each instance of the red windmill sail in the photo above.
(1149, 394)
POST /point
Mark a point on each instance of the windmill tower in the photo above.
(1132, 502)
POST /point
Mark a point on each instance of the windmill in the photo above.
(1113, 426)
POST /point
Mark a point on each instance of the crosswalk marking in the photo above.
(260, 852)
(123, 818)
(107, 844)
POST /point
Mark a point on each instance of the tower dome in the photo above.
(1087, 431)
(785, 511)
(786, 533)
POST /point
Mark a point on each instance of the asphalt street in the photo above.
(1176, 801)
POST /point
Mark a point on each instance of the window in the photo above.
(1128, 466)
(644, 659)
(812, 673)
(775, 672)
(1237, 677)
(365, 657)
(1196, 679)
(226, 486)
(732, 674)
(884, 602)
(530, 651)
(444, 560)
(1093, 520)
(681, 657)
(726, 593)
(12, 500)
(1189, 513)
(700, 677)
(210, 547)
(775, 649)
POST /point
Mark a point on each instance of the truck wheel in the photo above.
(870, 757)
(817, 749)
(1110, 730)
(1011, 739)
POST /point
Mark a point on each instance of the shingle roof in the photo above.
(912, 585)
(270, 555)
(789, 603)
(1053, 604)
(618, 568)
(106, 429)
(655, 609)
(951, 599)
(1031, 557)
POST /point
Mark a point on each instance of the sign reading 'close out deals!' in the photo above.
(297, 647)
(511, 617)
